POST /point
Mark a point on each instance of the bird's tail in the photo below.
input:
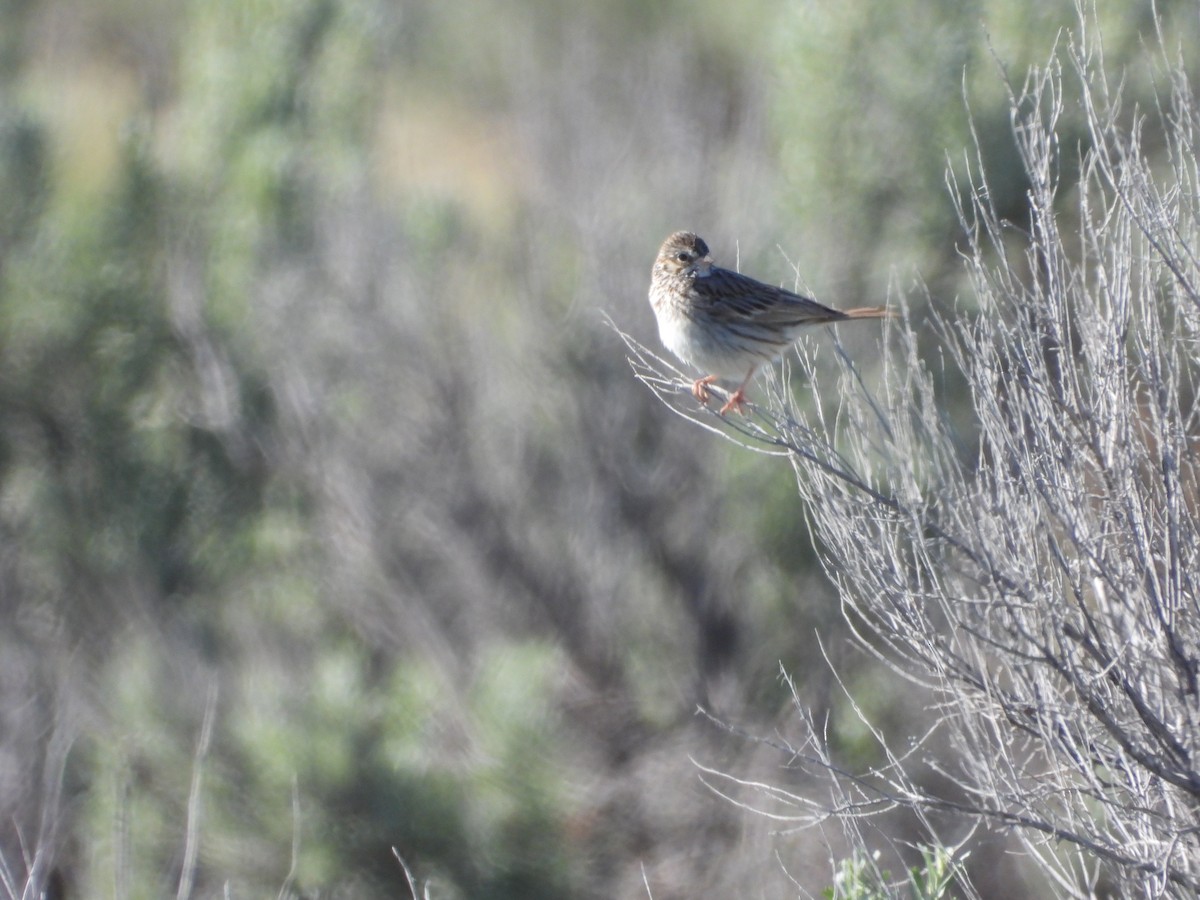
(869, 312)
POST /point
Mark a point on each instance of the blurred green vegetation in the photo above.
(302, 396)
(872, 110)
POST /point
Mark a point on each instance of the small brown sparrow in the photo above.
(727, 323)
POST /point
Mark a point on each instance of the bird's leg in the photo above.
(700, 388)
(737, 400)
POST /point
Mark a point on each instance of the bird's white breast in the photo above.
(695, 345)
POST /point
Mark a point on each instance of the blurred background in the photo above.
(310, 420)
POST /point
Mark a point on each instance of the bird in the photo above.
(726, 323)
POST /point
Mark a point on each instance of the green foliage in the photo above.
(23, 170)
(859, 878)
(380, 762)
(877, 98)
(119, 471)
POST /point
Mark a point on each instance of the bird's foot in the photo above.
(735, 403)
(700, 388)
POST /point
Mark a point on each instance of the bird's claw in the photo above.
(735, 403)
(700, 389)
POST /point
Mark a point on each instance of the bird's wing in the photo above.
(732, 297)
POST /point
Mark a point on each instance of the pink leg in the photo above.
(737, 400)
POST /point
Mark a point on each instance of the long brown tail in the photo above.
(868, 312)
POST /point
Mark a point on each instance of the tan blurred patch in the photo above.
(430, 145)
(86, 107)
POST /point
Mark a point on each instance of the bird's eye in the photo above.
(683, 256)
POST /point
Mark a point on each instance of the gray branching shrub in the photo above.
(1040, 577)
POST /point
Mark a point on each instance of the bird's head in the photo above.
(684, 253)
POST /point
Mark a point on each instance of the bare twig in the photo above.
(191, 847)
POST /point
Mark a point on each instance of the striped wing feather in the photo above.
(731, 298)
